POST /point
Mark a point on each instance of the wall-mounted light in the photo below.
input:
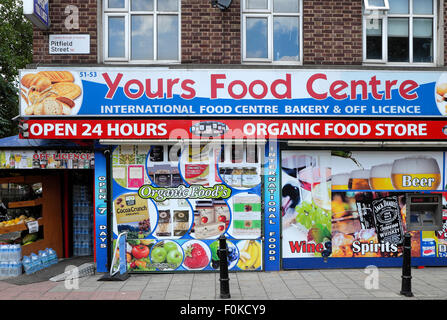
(23, 129)
(221, 4)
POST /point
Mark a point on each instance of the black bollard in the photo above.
(224, 279)
(406, 267)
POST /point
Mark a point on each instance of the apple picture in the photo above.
(167, 255)
(174, 257)
(158, 254)
(170, 246)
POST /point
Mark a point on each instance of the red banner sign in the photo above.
(237, 129)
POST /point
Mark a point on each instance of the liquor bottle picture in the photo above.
(12, 162)
(92, 161)
(43, 161)
(70, 160)
(86, 163)
(57, 160)
(36, 163)
(2, 159)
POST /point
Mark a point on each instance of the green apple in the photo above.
(169, 246)
(174, 257)
(158, 254)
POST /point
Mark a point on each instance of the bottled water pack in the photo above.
(10, 260)
(42, 260)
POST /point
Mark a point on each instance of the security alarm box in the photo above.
(424, 212)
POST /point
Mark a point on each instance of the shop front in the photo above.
(46, 196)
(297, 168)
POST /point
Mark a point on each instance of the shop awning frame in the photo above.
(182, 141)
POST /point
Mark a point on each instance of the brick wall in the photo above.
(87, 24)
(209, 35)
(445, 28)
(332, 32)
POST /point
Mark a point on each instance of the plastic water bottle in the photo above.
(11, 267)
(18, 269)
(52, 256)
(2, 252)
(19, 252)
(85, 221)
(3, 270)
(16, 253)
(27, 264)
(86, 234)
(85, 249)
(35, 262)
(7, 253)
(43, 258)
(49, 256)
(12, 252)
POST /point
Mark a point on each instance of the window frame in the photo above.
(108, 9)
(127, 13)
(384, 16)
(106, 37)
(270, 15)
(371, 7)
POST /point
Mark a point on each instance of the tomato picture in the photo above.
(140, 251)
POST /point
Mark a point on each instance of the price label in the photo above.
(33, 226)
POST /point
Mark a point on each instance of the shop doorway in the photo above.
(81, 185)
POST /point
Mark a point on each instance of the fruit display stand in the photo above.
(51, 218)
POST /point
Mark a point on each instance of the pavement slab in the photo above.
(334, 284)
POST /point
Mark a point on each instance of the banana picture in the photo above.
(250, 255)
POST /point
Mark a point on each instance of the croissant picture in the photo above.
(49, 93)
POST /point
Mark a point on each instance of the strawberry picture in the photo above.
(195, 256)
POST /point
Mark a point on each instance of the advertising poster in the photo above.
(367, 211)
(306, 204)
(104, 92)
(175, 201)
(100, 216)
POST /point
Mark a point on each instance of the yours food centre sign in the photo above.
(233, 92)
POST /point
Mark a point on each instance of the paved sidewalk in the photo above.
(427, 283)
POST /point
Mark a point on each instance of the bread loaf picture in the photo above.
(57, 76)
(36, 82)
(49, 93)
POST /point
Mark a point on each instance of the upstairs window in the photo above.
(142, 31)
(377, 5)
(404, 33)
(271, 31)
